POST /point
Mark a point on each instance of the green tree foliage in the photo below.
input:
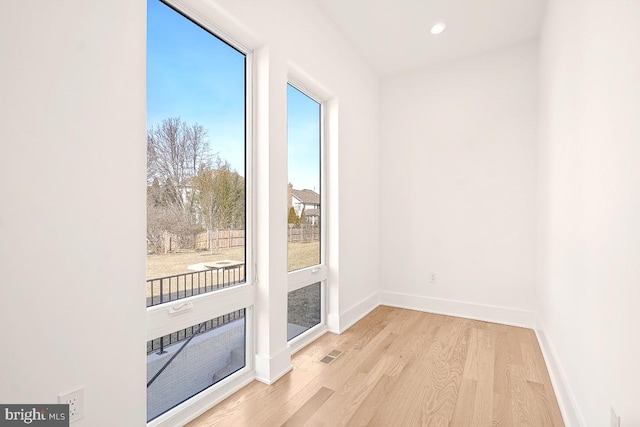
(293, 217)
(220, 195)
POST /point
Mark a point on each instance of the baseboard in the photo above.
(333, 323)
(570, 413)
(339, 324)
(271, 369)
(487, 313)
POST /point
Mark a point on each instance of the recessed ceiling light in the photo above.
(438, 28)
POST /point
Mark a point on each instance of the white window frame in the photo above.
(301, 278)
(170, 317)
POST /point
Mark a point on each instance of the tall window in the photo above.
(303, 133)
(196, 207)
(305, 219)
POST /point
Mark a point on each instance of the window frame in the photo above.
(303, 277)
(165, 318)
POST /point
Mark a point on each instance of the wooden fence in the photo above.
(224, 239)
(220, 239)
(303, 233)
(207, 240)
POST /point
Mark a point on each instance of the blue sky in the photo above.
(303, 134)
(194, 75)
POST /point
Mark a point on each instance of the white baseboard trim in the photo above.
(271, 369)
(487, 313)
(333, 323)
(339, 324)
(570, 413)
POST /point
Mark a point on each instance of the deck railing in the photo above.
(158, 345)
(171, 288)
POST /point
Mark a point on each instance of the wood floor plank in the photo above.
(281, 410)
(483, 404)
(446, 380)
(521, 405)
(463, 413)
(502, 411)
(362, 416)
(546, 405)
(404, 394)
(373, 357)
(534, 370)
(432, 381)
(473, 355)
(508, 353)
(305, 412)
(401, 367)
(344, 374)
(344, 404)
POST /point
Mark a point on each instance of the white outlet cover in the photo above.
(75, 400)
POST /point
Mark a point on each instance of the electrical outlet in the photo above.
(433, 278)
(615, 418)
(75, 400)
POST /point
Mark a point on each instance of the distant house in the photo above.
(307, 201)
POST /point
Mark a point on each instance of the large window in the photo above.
(197, 237)
(195, 152)
(305, 220)
(304, 142)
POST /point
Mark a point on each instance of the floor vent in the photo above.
(327, 359)
(331, 357)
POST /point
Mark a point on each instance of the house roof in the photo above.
(308, 197)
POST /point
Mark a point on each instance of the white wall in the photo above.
(72, 223)
(457, 194)
(300, 41)
(305, 40)
(589, 206)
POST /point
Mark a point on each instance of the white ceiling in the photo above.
(393, 35)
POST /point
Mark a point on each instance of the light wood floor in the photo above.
(405, 368)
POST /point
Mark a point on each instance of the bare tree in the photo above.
(169, 219)
(176, 152)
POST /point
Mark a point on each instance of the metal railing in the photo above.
(171, 288)
(159, 345)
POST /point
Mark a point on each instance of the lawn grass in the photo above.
(300, 255)
(161, 265)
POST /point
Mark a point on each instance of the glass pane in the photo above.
(303, 119)
(303, 311)
(195, 159)
(186, 362)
